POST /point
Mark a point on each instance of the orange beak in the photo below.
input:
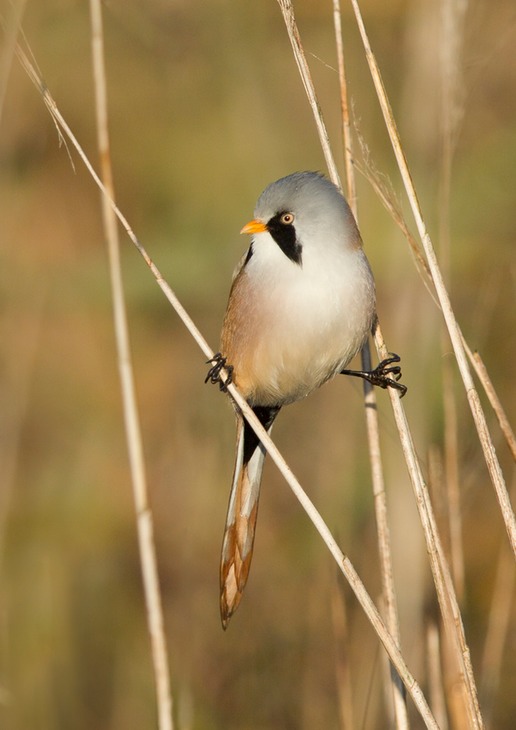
(254, 226)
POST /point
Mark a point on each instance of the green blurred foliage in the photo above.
(206, 108)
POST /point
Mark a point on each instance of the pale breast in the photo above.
(287, 332)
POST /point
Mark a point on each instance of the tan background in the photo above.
(206, 108)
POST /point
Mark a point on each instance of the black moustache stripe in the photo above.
(286, 238)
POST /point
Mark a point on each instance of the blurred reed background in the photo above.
(206, 108)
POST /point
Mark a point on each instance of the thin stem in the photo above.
(451, 35)
(62, 127)
(343, 562)
(390, 204)
(498, 631)
(144, 519)
(449, 317)
(306, 77)
(371, 410)
(444, 585)
(487, 384)
(434, 672)
(445, 590)
(344, 108)
(345, 565)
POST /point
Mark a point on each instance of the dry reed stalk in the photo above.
(144, 518)
(371, 410)
(488, 450)
(498, 628)
(454, 331)
(389, 202)
(344, 564)
(64, 132)
(453, 14)
(451, 669)
(388, 199)
(306, 78)
(347, 139)
(391, 206)
(451, 461)
(496, 405)
(383, 532)
(434, 673)
(444, 585)
(440, 571)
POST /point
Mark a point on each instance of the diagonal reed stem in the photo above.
(486, 443)
(342, 561)
(440, 571)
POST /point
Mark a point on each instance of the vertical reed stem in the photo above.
(144, 519)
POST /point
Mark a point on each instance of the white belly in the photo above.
(299, 326)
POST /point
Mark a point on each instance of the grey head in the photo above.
(306, 209)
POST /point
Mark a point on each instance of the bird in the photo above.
(301, 305)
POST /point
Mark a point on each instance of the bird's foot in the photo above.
(218, 364)
(385, 374)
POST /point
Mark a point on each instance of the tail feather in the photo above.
(237, 546)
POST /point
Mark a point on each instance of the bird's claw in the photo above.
(218, 364)
(380, 375)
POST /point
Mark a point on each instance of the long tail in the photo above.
(237, 546)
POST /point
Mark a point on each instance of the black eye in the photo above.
(287, 219)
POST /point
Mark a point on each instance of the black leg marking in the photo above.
(218, 364)
(380, 375)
